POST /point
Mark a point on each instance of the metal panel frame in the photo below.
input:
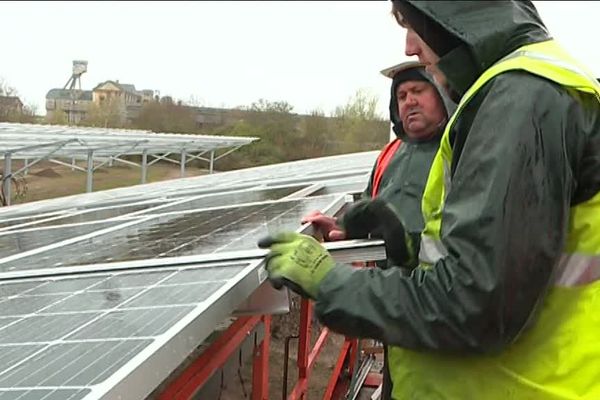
(343, 251)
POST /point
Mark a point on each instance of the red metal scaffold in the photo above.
(188, 383)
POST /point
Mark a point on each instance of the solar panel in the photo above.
(97, 214)
(24, 140)
(101, 213)
(66, 338)
(18, 241)
(219, 199)
(354, 186)
(97, 330)
(324, 168)
(174, 234)
(8, 223)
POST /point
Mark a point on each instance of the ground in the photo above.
(287, 325)
(46, 180)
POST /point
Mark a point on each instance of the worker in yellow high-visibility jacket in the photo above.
(505, 301)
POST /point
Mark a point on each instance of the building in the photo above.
(10, 106)
(121, 103)
(70, 104)
(74, 104)
(123, 97)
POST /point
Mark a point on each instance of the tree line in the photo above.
(285, 136)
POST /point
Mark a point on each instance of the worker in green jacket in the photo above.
(419, 110)
(504, 301)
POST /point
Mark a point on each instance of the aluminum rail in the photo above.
(344, 251)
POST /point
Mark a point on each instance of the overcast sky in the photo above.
(225, 54)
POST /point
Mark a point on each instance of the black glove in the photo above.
(389, 226)
(378, 218)
(358, 221)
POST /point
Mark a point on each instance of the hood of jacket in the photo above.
(415, 73)
(470, 36)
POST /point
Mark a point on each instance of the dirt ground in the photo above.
(284, 326)
(288, 325)
(47, 180)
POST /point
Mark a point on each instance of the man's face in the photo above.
(420, 108)
(415, 46)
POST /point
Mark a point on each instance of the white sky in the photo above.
(226, 54)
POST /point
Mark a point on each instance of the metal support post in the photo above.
(260, 365)
(211, 162)
(182, 163)
(144, 165)
(90, 171)
(336, 384)
(73, 163)
(25, 167)
(110, 161)
(299, 391)
(6, 178)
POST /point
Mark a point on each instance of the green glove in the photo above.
(297, 261)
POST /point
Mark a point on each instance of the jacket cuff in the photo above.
(332, 281)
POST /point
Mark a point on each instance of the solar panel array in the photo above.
(25, 140)
(87, 308)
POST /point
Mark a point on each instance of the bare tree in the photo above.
(12, 108)
(357, 126)
(363, 105)
(195, 101)
(6, 89)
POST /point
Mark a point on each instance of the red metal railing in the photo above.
(217, 354)
(347, 357)
(307, 356)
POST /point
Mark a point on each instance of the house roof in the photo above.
(126, 87)
(65, 94)
(10, 101)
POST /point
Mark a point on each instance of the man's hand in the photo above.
(297, 261)
(326, 225)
